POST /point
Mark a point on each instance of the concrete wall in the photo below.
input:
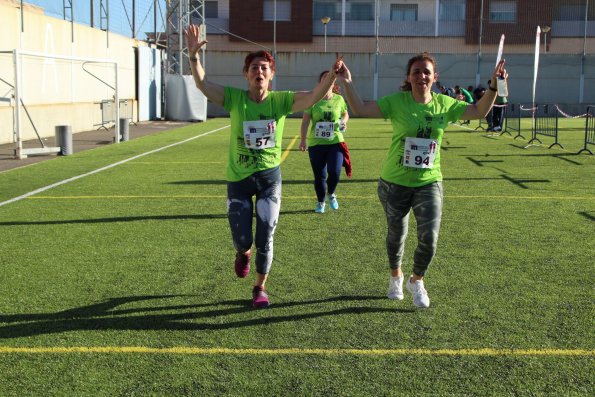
(58, 92)
(557, 82)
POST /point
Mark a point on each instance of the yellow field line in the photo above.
(286, 152)
(302, 197)
(297, 351)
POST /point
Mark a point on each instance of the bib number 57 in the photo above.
(261, 141)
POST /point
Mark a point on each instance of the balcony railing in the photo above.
(390, 28)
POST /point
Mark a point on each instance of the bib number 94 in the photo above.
(419, 152)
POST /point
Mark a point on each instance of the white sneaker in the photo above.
(395, 288)
(420, 295)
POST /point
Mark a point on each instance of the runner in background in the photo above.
(322, 131)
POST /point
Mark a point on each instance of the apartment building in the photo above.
(394, 26)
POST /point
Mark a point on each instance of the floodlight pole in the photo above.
(545, 31)
(325, 21)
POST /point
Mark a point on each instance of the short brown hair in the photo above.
(423, 56)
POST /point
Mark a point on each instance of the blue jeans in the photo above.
(326, 161)
(266, 186)
(426, 202)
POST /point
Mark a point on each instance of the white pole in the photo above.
(535, 68)
(275, 38)
(17, 100)
(582, 78)
(478, 75)
(437, 9)
(343, 12)
(377, 26)
(117, 100)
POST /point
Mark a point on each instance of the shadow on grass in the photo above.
(285, 181)
(106, 316)
(590, 217)
(135, 219)
(561, 156)
(522, 183)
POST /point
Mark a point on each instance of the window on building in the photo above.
(574, 12)
(211, 10)
(452, 10)
(403, 12)
(325, 9)
(503, 11)
(283, 10)
(362, 12)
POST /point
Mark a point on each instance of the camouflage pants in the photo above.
(426, 202)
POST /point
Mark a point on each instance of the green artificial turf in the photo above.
(140, 255)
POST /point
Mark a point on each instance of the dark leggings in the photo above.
(266, 186)
(326, 161)
(426, 203)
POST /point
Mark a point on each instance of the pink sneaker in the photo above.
(260, 299)
(242, 264)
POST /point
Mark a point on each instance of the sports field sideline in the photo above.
(117, 275)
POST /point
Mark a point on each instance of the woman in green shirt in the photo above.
(411, 178)
(257, 121)
(327, 120)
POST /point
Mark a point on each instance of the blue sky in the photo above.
(120, 14)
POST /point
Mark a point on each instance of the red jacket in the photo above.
(346, 158)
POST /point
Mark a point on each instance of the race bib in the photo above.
(259, 134)
(325, 130)
(419, 152)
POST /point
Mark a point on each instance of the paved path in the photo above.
(82, 141)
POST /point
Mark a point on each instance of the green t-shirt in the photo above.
(243, 160)
(326, 110)
(501, 100)
(416, 120)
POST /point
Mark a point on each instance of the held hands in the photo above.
(342, 72)
(500, 72)
(193, 39)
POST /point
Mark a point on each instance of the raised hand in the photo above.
(193, 39)
(500, 72)
(342, 72)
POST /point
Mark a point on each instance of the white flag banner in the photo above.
(536, 65)
(500, 49)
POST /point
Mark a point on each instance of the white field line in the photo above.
(107, 167)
